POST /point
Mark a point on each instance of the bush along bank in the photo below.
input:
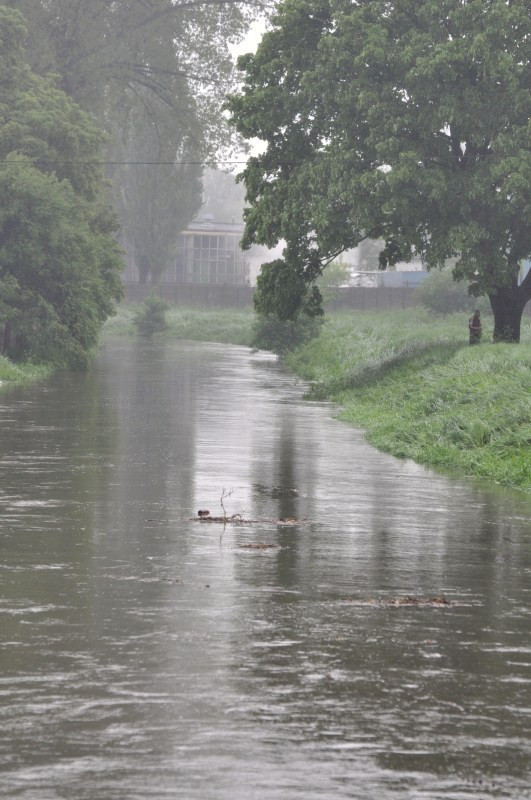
(411, 380)
(13, 374)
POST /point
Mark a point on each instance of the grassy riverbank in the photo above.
(12, 374)
(230, 326)
(419, 391)
(409, 379)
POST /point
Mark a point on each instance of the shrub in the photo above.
(150, 317)
(281, 336)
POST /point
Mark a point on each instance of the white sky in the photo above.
(249, 45)
(250, 42)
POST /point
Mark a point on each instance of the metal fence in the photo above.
(372, 298)
(205, 295)
(193, 295)
(198, 295)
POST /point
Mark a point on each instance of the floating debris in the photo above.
(238, 519)
(400, 602)
(235, 518)
(258, 546)
(203, 513)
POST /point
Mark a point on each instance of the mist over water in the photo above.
(145, 654)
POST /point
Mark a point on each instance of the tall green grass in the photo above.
(11, 374)
(231, 326)
(417, 388)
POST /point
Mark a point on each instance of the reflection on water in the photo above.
(147, 655)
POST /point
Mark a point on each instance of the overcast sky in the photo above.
(250, 43)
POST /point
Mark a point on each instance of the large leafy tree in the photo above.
(401, 120)
(59, 261)
(154, 73)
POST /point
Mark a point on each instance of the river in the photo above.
(147, 654)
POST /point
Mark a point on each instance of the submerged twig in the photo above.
(224, 494)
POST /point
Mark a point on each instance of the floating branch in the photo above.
(238, 519)
(258, 546)
(399, 602)
(234, 518)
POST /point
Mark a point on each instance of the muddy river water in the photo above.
(146, 654)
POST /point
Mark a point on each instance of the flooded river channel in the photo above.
(145, 654)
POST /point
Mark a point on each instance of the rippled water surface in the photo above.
(145, 654)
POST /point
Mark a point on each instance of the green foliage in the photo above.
(280, 336)
(420, 392)
(282, 291)
(150, 317)
(59, 262)
(234, 326)
(441, 293)
(288, 309)
(12, 374)
(154, 74)
(397, 123)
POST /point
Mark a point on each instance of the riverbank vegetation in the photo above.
(11, 374)
(420, 391)
(60, 264)
(229, 326)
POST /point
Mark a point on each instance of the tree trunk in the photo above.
(507, 306)
(6, 344)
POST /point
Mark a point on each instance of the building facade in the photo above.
(207, 252)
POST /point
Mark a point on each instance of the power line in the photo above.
(118, 163)
(206, 163)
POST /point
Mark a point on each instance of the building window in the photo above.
(213, 257)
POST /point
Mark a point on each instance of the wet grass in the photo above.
(13, 374)
(419, 391)
(231, 326)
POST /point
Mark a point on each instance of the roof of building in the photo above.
(214, 226)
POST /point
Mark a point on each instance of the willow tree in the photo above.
(403, 121)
